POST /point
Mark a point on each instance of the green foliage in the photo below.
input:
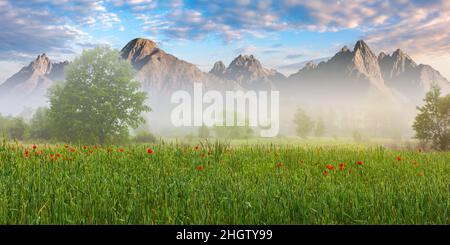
(236, 185)
(303, 122)
(13, 127)
(320, 128)
(203, 132)
(144, 137)
(40, 125)
(99, 100)
(234, 132)
(432, 124)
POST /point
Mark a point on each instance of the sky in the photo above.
(282, 34)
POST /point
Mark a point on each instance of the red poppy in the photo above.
(279, 164)
(72, 150)
(85, 147)
(329, 166)
(325, 173)
(51, 154)
(342, 166)
(90, 152)
(399, 158)
(360, 163)
(95, 147)
(200, 168)
(27, 153)
(66, 146)
(58, 155)
(150, 151)
(34, 146)
(196, 147)
(121, 150)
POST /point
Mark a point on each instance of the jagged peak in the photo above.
(382, 55)
(361, 45)
(345, 49)
(218, 68)
(41, 64)
(310, 65)
(138, 48)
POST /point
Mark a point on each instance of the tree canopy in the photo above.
(99, 100)
(432, 124)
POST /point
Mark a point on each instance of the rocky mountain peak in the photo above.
(218, 69)
(345, 49)
(41, 64)
(361, 45)
(310, 66)
(138, 49)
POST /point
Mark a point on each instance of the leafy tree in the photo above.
(144, 137)
(432, 124)
(203, 132)
(13, 127)
(303, 122)
(99, 100)
(40, 125)
(320, 128)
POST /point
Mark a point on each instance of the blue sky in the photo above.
(282, 33)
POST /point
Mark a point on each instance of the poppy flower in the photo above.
(360, 163)
(34, 146)
(329, 166)
(279, 164)
(196, 147)
(399, 158)
(72, 150)
(121, 150)
(342, 166)
(85, 147)
(66, 146)
(325, 173)
(200, 168)
(58, 155)
(150, 151)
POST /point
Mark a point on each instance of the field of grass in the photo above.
(220, 183)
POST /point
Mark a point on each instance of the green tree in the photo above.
(432, 124)
(320, 128)
(303, 122)
(203, 132)
(99, 100)
(40, 127)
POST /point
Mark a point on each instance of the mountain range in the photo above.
(349, 73)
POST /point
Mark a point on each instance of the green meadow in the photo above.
(254, 182)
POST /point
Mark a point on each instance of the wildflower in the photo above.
(85, 147)
(279, 164)
(196, 147)
(58, 155)
(121, 150)
(200, 168)
(150, 151)
(342, 166)
(399, 158)
(72, 150)
(325, 173)
(66, 146)
(329, 166)
(360, 162)
(34, 146)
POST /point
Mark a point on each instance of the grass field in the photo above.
(220, 183)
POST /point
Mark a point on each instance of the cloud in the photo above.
(411, 24)
(294, 56)
(28, 28)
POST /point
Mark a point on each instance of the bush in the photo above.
(145, 137)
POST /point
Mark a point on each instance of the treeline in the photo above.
(18, 128)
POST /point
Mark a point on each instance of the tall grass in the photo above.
(245, 184)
